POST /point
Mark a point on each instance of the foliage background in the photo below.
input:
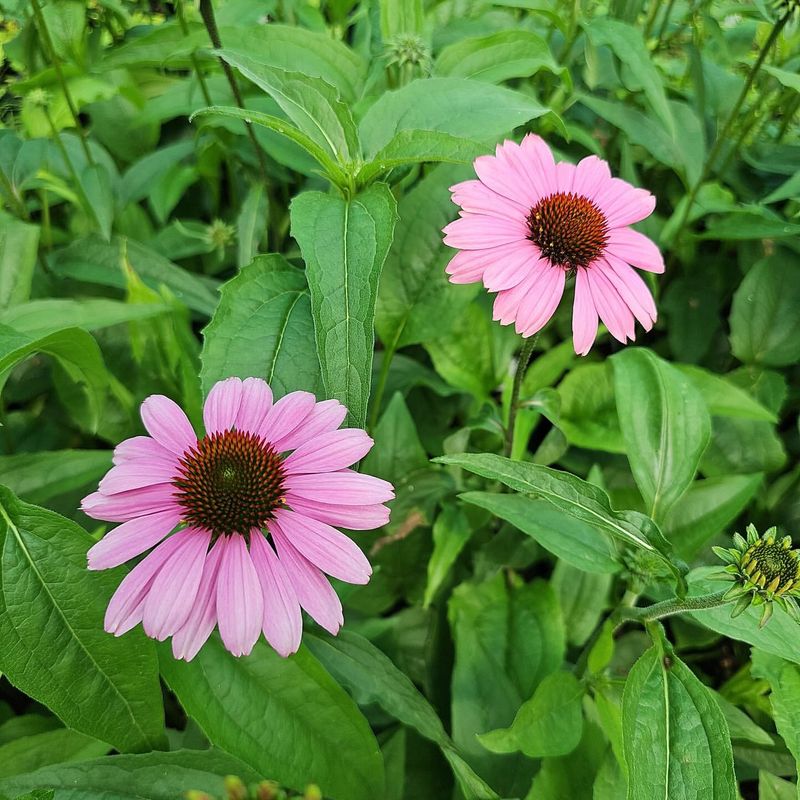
(140, 250)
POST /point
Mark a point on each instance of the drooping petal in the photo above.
(511, 267)
(142, 447)
(313, 591)
(616, 316)
(123, 506)
(508, 302)
(240, 604)
(167, 424)
(221, 408)
(127, 603)
(131, 539)
(324, 417)
(174, 589)
(283, 622)
(636, 249)
(345, 487)
(623, 204)
(285, 416)
(584, 315)
(632, 289)
(478, 231)
(355, 517)
(256, 402)
(325, 547)
(536, 310)
(194, 633)
(136, 474)
(478, 198)
(329, 452)
(468, 266)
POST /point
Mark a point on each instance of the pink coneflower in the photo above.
(528, 222)
(241, 518)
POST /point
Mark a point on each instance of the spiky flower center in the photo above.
(771, 564)
(569, 229)
(230, 482)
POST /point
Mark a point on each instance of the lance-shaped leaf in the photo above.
(344, 244)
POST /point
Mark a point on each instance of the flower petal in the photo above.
(511, 267)
(584, 315)
(142, 447)
(478, 198)
(167, 424)
(636, 249)
(285, 416)
(324, 417)
(255, 403)
(632, 289)
(617, 317)
(136, 474)
(538, 307)
(123, 506)
(355, 518)
(325, 547)
(624, 204)
(479, 231)
(313, 591)
(240, 604)
(329, 452)
(283, 622)
(345, 487)
(222, 405)
(590, 177)
(132, 538)
(172, 594)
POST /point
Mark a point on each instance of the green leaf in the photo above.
(741, 727)
(549, 724)
(311, 103)
(51, 314)
(251, 224)
(39, 477)
(779, 637)
(770, 787)
(19, 243)
(137, 182)
(62, 745)
(764, 313)
(456, 106)
(344, 244)
(51, 625)
(155, 776)
(577, 542)
(94, 261)
(416, 302)
(583, 597)
(262, 327)
(372, 678)
(96, 183)
(285, 717)
(451, 532)
(665, 423)
(724, 398)
(74, 349)
(497, 57)
(675, 736)
(581, 500)
(401, 16)
(629, 47)
(707, 508)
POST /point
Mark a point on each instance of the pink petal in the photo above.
(136, 474)
(131, 539)
(590, 177)
(240, 604)
(167, 424)
(126, 505)
(256, 402)
(584, 315)
(565, 172)
(610, 306)
(508, 302)
(173, 592)
(355, 518)
(194, 633)
(313, 591)
(478, 198)
(468, 266)
(325, 547)
(285, 416)
(510, 267)
(344, 487)
(540, 165)
(283, 622)
(127, 604)
(324, 417)
(623, 204)
(632, 289)
(222, 405)
(539, 306)
(478, 231)
(635, 248)
(329, 452)
(142, 447)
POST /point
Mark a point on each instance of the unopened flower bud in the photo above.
(236, 790)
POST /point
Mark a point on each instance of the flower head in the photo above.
(765, 570)
(527, 223)
(239, 521)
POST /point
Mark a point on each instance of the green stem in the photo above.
(207, 13)
(787, 118)
(380, 386)
(651, 18)
(522, 364)
(16, 200)
(664, 22)
(722, 136)
(669, 608)
(193, 57)
(44, 33)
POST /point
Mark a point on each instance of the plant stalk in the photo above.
(522, 364)
(669, 608)
(193, 57)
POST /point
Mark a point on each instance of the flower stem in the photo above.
(380, 386)
(207, 13)
(722, 136)
(44, 33)
(669, 608)
(193, 57)
(522, 364)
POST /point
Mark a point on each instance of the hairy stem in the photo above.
(669, 608)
